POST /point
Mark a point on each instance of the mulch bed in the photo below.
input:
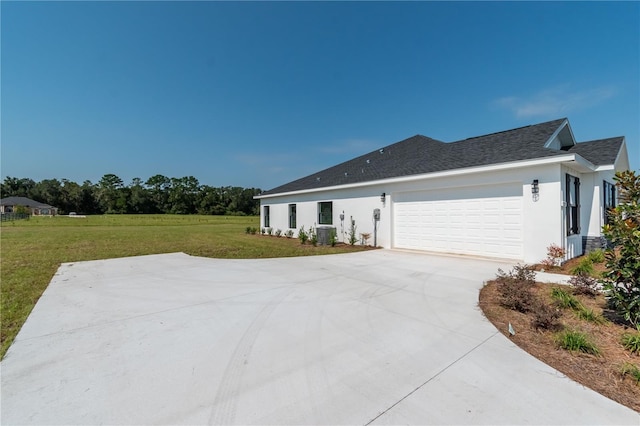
(600, 373)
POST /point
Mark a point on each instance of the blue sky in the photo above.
(258, 94)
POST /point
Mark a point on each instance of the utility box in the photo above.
(324, 234)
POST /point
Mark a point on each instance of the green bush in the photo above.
(584, 267)
(313, 236)
(302, 235)
(563, 299)
(631, 341)
(576, 341)
(333, 237)
(353, 236)
(596, 256)
(247, 230)
(622, 279)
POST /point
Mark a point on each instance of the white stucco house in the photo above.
(507, 195)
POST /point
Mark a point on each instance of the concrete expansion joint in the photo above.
(433, 377)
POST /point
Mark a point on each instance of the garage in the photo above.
(475, 220)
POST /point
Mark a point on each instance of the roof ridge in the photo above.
(511, 130)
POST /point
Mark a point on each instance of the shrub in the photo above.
(545, 316)
(302, 235)
(631, 341)
(584, 267)
(254, 231)
(247, 230)
(596, 256)
(514, 288)
(555, 256)
(365, 238)
(289, 233)
(313, 237)
(622, 279)
(584, 284)
(629, 369)
(278, 232)
(563, 299)
(518, 273)
(576, 341)
(353, 236)
(333, 237)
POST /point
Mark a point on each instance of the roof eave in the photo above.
(455, 172)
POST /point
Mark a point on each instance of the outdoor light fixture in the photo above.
(534, 187)
(383, 197)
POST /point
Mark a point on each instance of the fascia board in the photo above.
(456, 172)
(557, 132)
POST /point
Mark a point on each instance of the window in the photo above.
(572, 198)
(266, 217)
(325, 213)
(292, 216)
(609, 190)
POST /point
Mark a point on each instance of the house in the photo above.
(11, 204)
(507, 195)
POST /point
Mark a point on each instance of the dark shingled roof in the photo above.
(420, 154)
(22, 201)
(599, 152)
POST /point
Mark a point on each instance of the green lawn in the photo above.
(32, 250)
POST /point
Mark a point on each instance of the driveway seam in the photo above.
(431, 378)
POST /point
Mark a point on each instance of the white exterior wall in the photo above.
(543, 219)
(358, 203)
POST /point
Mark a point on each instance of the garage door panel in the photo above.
(461, 221)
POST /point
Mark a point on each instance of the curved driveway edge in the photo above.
(377, 337)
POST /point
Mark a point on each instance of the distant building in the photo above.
(11, 204)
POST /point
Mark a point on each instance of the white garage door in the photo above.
(481, 220)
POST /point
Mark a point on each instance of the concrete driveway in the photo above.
(379, 337)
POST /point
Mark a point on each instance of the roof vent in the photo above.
(318, 179)
(382, 151)
(368, 161)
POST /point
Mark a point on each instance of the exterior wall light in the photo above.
(383, 197)
(535, 189)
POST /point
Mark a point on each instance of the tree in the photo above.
(622, 279)
(139, 201)
(158, 186)
(111, 197)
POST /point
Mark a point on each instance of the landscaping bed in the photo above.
(609, 372)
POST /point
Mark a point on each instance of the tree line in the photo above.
(158, 194)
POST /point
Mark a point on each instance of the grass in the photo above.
(584, 267)
(563, 299)
(576, 341)
(631, 342)
(631, 370)
(33, 249)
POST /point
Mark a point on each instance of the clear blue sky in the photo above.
(258, 94)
